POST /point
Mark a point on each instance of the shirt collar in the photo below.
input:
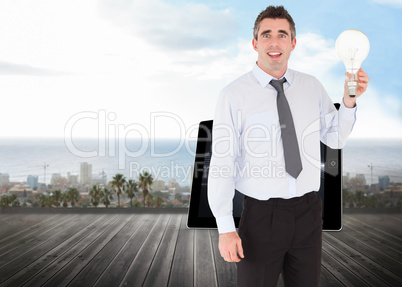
(263, 78)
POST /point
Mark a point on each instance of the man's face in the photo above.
(274, 45)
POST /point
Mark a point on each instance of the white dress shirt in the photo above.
(247, 151)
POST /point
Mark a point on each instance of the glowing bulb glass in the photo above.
(352, 47)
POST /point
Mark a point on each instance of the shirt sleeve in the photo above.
(221, 178)
(336, 125)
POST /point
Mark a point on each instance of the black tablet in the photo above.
(200, 214)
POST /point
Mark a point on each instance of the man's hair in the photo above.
(274, 12)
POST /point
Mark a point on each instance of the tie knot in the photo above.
(278, 84)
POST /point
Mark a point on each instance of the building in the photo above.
(72, 178)
(346, 178)
(4, 178)
(100, 179)
(85, 173)
(32, 181)
(21, 190)
(55, 178)
(361, 179)
(158, 185)
(383, 182)
(173, 183)
(58, 180)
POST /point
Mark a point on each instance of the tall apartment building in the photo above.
(4, 177)
(72, 178)
(32, 181)
(85, 173)
(383, 182)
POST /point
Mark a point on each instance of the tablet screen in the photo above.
(200, 214)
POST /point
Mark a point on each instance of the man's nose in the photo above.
(274, 43)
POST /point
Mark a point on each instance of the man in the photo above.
(280, 228)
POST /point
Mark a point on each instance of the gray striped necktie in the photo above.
(289, 139)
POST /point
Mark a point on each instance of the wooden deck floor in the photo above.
(144, 249)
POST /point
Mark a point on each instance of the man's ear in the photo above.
(254, 42)
(293, 44)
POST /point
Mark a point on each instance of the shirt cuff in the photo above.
(225, 224)
(348, 113)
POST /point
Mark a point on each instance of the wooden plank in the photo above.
(68, 272)
(160, 269)
(5, 217)
(139, 268)
(21, 257)
(93, 270)
(381, 222)
(182, 274)
(18, 245)
(343, 250)
(328, 279)
(9, 224)
(371, 252)
(359, 270)
(226, 271)
(25, 274)
(347, 278)
(25, 225)
(386, 246)
(204, 264)
(45, 274)
(115, 272)
(371, 232)
(366, 252)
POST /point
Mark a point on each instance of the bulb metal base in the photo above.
(352, 88)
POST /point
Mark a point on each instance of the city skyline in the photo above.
(134, 60)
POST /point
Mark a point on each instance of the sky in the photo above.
(154, 68)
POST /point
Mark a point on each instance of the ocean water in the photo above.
(385, 155)
(165, 159)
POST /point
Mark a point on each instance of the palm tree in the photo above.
(106, 196)
(73, 196)
(146, 181)
(57, 197)
(95, 194)
(64, 199)
(158, 201)
(149, 199)
(131, 189)
(43, 200)
(360, 198)
(118, 184)
(7, 200)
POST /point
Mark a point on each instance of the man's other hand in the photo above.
(362, 83)
(230, 247)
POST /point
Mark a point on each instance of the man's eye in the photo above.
(265, 36)
(282, 36)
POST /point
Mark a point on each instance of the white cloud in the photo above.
(315, 55)
(393, 3)
(374, 121)
(191, 26)
(130, 72)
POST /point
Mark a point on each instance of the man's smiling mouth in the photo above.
(274, 54)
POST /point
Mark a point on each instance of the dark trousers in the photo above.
(281, 235)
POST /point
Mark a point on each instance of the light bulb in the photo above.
(352, 47)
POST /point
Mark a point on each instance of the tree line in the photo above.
(98, 194)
